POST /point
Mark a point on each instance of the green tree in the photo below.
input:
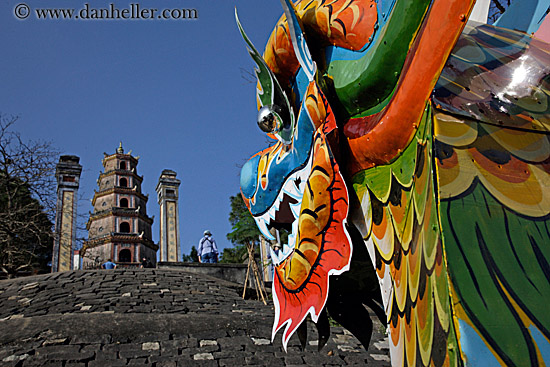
(244, 231)
(193, 256)
(244, 227)
(235, 255)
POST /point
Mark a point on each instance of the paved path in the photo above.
(153, 317)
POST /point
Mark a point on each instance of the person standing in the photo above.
(145, 263)
(108, 265)
(207, 251)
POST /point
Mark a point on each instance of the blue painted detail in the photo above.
(334, 53)
(298, 40)
(299, 86)
(524, 15)
(542, 344)
(384, 9)
(298, 156)
(249, 177)
(281, 168)
(474, 348)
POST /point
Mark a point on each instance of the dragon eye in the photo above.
(269, 119)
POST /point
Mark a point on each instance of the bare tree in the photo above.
(496, 8)
(27, 200)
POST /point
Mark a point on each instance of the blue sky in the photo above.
(171, 90)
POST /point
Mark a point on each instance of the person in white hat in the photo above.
(208, 250)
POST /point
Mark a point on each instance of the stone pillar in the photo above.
(67, 174)
(167, 191)
(265, 259)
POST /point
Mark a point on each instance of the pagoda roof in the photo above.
(117, 237)
(119, 190)
(121, 172)
(118, 212)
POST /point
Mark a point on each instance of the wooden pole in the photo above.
(258, 281)
(246, 278)
(255, 274)
(252, 262)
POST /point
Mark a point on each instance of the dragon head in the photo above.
(332, 75)
(296, 183)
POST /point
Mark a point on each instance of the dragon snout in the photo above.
(249, 177)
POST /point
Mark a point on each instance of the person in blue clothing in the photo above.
(207, 251)
(108, 265)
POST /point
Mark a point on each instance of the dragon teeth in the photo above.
(274, 257)
(283, 254)
(291, 190)
(262, 225)
(295, 209)
(291, 240)
(277, 204)
(287, 250)
(272, 213)
(295, 192)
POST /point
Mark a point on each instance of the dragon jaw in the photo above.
(288, 201)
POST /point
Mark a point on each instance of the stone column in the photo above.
(167, 191)
(265, 259)
(67, 174)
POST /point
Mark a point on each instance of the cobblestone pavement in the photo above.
(153, 317)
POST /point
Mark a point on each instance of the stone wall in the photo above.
(234, 273)
(155, 318)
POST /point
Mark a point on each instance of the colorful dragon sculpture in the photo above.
(411, 165)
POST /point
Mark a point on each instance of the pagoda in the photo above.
(119, 228)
